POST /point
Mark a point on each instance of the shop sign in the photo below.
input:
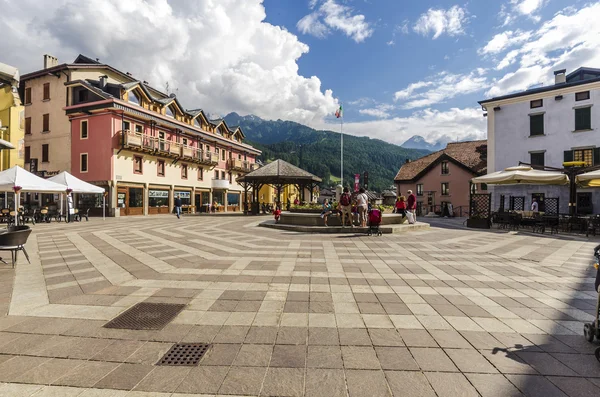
(158, 193)
(183, 195)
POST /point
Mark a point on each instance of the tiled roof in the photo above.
(465, 153)
(282, 169)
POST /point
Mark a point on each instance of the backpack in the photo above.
(345, 199)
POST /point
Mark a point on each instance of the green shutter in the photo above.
(597, 156)
(568, 155)
(536, 124)
(583, 119)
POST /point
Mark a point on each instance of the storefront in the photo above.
(233, 201)
(186, 200)
(158, 201)
(130, 200)
(202, 201)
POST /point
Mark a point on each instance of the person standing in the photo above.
(362, 202)
(178, 205)
(70, 207)
(412, 206)
(346, 206)
(534, 205)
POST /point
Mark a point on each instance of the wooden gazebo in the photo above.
(277, 174)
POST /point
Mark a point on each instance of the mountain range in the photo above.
(318, 152)
(418, 142)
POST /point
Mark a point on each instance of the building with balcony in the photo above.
(443, 178)
(142, 145)
(546, 126)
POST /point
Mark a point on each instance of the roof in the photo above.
(466, 154)
(573, 79)
(81, 62)
(370, 195)
(280, 170)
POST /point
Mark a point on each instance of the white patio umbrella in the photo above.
(589, 179)
(523, 175)
(78, 186)
(27, 182)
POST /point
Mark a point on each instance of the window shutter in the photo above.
(536, 124)
(597, 156)
(583, 119)
(568, 155)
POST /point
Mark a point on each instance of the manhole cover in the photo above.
(184, 354)
(146, 316)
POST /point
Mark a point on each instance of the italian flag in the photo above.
(340, 112)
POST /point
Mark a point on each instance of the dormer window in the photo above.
(134, 98)
(218, 131)
(170, 112)
(197, 123)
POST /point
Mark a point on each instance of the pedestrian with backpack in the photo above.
(346, 206)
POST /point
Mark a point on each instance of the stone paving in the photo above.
(439, 312)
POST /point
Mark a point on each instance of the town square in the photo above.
(307, 198)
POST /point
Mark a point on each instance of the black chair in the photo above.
(13, 240)
(83, 214)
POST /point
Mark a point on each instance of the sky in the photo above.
(399, 68)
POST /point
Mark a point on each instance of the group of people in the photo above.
(347, 207)
(407, 207)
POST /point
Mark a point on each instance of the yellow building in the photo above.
(268, 195)
(11, 118)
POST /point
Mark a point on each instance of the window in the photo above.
(536, 125)
(28, 96)
(445, 188)
(46, 123)
(473, 188)
(537, 158)
(82, 95)
(223, 153)
(484, 186)
(184, 170)
(538, 103)
(169, 112)
(216, 174)
(27, 154)
(84, 129)
(46, 91)
(200, 174)
(184, 141)
(445, 168)
(45, 150)
(197, 123)
(222, 174)
(160, 168)
(585, 155)
(582, 96)
(420, 189)
(133, 97)
(28, 125)
(138, 162)
(239, 156)
(583, 119)
(217, 151)
(126, 126)
(139, 129)
(84, 162)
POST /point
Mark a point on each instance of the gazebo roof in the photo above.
(279, 171)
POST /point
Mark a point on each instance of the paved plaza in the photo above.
(439, 312)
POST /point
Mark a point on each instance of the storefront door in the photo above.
(122, 201)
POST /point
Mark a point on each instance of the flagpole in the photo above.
(342, 147)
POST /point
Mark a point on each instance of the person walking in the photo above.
(346, 206)
(178, 205)
(362, 203)
(412, 207)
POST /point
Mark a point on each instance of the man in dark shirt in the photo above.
(178, 206)
(412, 206)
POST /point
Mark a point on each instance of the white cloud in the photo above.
(515, 8)
(567, 41)
(439, 21)
(331, 15)
(220, 55)
(504, 40)
(442, 87)
(433, 125)
(381, 111)
(391, 43)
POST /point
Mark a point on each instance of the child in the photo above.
(277, 214)
(326, 211)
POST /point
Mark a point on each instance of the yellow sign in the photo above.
(574, 163)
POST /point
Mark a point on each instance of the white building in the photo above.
(546, 126)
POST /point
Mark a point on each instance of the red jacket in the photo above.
(412, 202)
(400, 205)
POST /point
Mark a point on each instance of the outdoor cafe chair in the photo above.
(13, 239)
(79, 215)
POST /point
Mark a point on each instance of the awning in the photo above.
(28, 182)
(6, 145)
(523, 175)
(589, 179)
(75, 184)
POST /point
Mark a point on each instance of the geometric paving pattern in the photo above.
(438, 312)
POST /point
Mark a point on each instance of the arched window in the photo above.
(134, 98)
(170, 111)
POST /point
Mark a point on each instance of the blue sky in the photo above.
(401, 68)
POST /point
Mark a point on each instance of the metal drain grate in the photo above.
(186, 354)
(146, 316)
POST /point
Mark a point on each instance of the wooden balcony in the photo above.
(162, 147)
(241, 165)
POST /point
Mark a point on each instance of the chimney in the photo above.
(406, 161)
(560, 76)
(50, 61)
(103, 81)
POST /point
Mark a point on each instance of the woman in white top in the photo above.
(362, 203)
